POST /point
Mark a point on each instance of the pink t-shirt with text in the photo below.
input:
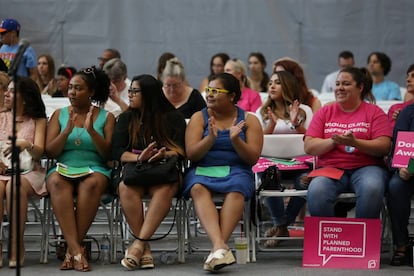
(367, 122)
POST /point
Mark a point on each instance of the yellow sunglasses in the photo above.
(214, 91)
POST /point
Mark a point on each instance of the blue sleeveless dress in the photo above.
(239, 179)
(83, 154)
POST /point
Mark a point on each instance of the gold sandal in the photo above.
(131, 261)
(80, 263)
(146, 261)
(67, 263)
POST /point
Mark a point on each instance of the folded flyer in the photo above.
(72, 172)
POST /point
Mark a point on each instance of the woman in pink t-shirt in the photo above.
(352, 136)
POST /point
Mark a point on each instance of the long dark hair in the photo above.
(290, 93)
(224, 58)
(265, 80)
(150, 121)
(306, 97)
(34, 106)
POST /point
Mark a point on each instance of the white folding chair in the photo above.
(285, 146)
(194, 228)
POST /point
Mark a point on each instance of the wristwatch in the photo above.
(293, 127)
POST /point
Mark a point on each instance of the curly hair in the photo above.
(97, 81)
(384, 60)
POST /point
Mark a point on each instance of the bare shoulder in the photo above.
(251, 118)
(110, 116)
(55, 115)
(40, 121)
(196, 119)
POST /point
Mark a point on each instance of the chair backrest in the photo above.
(54, 103)
(385, 105)
(263, 96)
(403, 91)
(283, 145)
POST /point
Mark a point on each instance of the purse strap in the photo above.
(164, 235)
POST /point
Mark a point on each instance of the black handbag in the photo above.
(147, 174)
(116, 177)
(270, 180)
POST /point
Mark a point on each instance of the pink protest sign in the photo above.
(282, 164)
(342, 243)
(404, 149)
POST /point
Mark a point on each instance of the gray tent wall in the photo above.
(313, 32)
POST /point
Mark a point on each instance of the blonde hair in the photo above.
(174, 68)
(240, 67)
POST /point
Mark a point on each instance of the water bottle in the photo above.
(105, 250)
(167, 258)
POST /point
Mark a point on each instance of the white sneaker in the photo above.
(206, 266)
(221, 258)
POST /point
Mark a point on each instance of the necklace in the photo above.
(78, 140)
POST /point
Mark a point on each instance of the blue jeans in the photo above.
(276, 205)
(399, 205)
(368, 183)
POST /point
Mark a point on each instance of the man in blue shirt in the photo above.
(9, 35)
(379, 65)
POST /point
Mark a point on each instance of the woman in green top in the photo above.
(79, 136)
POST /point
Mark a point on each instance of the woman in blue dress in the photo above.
(223, 142)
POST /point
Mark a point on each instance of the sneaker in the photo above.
(221, 258)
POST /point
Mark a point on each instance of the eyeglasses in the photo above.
(88, 71)
(172, 85)
(215, 91)
(104, 60)
(134, 91)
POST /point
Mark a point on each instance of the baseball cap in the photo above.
(9, 24)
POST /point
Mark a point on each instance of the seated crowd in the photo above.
(141, 124)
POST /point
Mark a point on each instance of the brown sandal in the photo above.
(67, 263)
(80, 263)
(278, 231)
